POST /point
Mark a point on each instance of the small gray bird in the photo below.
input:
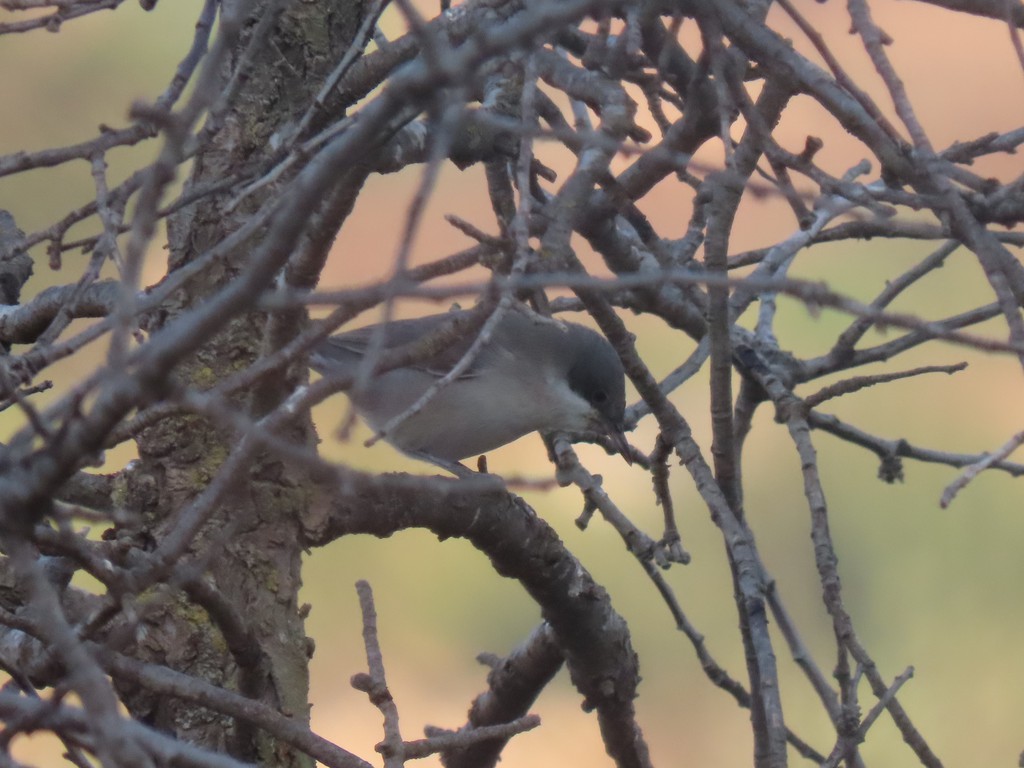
(533, 375)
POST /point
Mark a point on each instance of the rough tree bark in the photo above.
(255, 531)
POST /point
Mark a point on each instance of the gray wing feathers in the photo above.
(341, 354)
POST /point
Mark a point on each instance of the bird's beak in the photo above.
(618, 438)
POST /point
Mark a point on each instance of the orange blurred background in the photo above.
(937, 589)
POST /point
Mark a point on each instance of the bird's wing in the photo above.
(347, 349)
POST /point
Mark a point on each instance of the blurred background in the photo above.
(939, 589)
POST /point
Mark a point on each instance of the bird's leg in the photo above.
(456, 468)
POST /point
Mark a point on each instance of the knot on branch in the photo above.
(890, 469)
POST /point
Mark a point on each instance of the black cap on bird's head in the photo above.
(597, 376)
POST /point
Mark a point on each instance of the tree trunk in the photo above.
(250, 547)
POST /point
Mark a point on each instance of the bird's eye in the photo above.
(600, 396)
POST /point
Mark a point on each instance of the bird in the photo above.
(533, 374)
